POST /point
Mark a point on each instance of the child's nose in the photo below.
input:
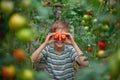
(60, 37)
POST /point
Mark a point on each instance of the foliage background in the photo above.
(102, 23)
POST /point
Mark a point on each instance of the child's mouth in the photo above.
(59, 42)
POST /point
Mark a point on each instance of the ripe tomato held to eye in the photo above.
(63, 37)
(56, 36)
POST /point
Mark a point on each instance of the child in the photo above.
(60, 51)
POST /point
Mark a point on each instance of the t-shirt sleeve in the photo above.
(44, 53)
(74, 54)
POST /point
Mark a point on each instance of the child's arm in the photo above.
(36, 54)
(81, 59)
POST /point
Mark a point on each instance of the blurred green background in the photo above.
(95, 25)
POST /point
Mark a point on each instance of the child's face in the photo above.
(60, 43)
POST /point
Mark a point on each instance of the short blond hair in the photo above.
(59, 25)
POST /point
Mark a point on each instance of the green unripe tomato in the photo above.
(71, 30)
(94, 20)
(89, 33)
(25, 3)
(6, 6)
(26, 74)
(86, 28)
(24, 35)
(86, 17)
(101, 1)
(105, 27)
(84, 23)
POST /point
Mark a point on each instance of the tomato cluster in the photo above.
(60, 37)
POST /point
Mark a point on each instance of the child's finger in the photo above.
(51, 34)
(68, 34)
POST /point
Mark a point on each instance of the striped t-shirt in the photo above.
(60, 66)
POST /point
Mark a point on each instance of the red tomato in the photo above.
(56, 36)
(19, 54)
(47, 3)
(102, 44)
(63, 37)
(8, 72)
(90, 49)
(89, 12)
(117, 25)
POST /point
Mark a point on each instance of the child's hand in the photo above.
(49, 38)
(69, 40)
